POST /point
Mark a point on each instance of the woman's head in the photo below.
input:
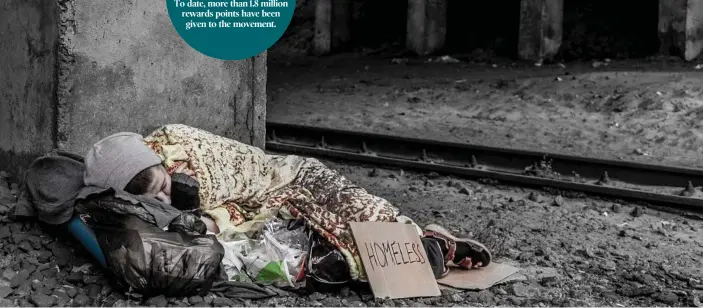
(153, 181)
(122, 158)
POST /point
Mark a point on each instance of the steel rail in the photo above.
(672, 187)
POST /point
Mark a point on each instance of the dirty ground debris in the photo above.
(585, 261)
(149, 249)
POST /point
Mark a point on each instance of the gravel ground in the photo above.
(619, 100)
(645, 110)
(575, 250)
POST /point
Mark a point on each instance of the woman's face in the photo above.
(160, 186)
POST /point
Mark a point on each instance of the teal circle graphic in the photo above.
(230, 29)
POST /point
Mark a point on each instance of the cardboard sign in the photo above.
(480, 278)
(395, 260)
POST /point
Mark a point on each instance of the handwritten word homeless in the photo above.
(391, 253)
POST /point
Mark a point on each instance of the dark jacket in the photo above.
(148, 245)
(54, 185)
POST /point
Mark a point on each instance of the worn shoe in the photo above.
(435, 257)
(464, 253)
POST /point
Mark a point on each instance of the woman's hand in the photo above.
(161, 196)
(211, 225)
(182, 169)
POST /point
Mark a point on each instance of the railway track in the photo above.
(664, 187)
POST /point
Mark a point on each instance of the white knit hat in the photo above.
(113, 161)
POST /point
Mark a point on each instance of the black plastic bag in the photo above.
(152, 261)
(188, 223)
(326, 265)
(148, 245)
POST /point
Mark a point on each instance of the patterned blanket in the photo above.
(239, 181)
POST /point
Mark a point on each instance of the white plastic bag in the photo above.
(275, 255)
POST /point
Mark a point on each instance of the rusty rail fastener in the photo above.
(365, 149)
(604, 179)
(474, 162)
(425, 158)
(689, 191)
(273, 136)
(322, 144)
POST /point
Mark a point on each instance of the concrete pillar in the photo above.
(332, 25)
(426, 26)
(540, 29)
(681, 28)
(76, 71)
(27, 81)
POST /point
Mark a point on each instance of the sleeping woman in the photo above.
(238, 181)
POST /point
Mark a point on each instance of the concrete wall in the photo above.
(540, 29)
(124, 67)
(74, 71)
(672, 26)
(426, 26)
(332, 30)
(27, 75)
(681, 27)
(694, 29)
